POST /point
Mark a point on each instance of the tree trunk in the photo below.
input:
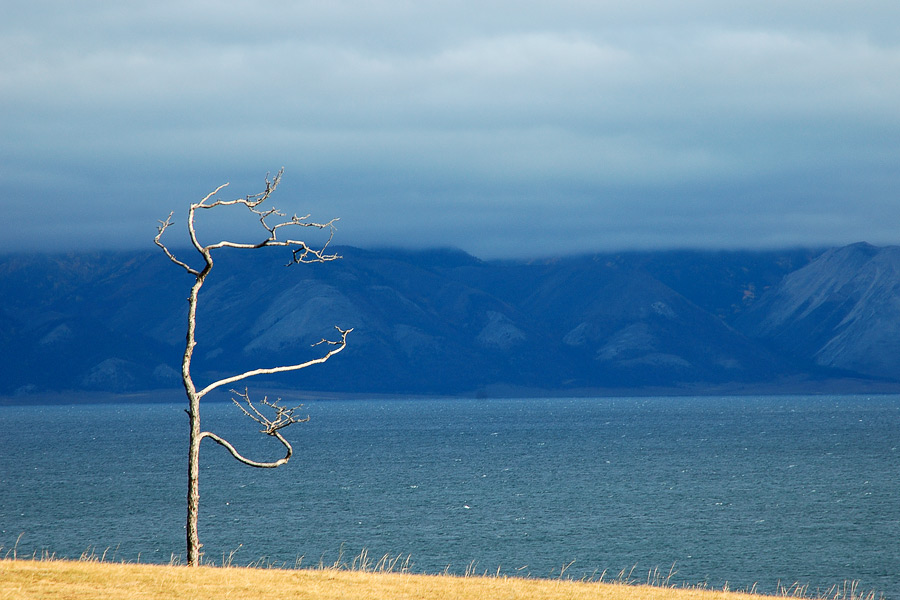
(193, 495)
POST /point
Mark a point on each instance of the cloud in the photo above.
(561, 126)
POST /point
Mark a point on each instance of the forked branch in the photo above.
(302, 253)
(284, 416)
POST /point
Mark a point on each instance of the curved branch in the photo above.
(268, 371)
(160, 229)
(261, 465)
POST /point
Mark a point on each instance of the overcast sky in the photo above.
(502, 128)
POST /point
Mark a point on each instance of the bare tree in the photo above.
(282, 416)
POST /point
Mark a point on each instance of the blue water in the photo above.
(763, 490)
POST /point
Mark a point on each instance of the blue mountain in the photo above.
(441, 321)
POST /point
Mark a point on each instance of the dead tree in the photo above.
(283, 416)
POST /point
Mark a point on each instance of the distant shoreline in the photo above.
(798, 387)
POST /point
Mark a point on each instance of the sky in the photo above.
(506, 129)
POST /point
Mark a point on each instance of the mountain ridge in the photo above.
(440, 321)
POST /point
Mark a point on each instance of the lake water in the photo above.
(763, 490)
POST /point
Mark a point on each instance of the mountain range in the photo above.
(441, 321)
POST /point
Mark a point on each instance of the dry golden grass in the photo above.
(94, 580)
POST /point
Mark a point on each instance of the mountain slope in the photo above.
(841, 311)
(444, 322)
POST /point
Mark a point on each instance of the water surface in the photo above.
(740, 490)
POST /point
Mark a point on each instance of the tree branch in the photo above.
(160, 229)
(302, 253)
(284, 416)
(261, 465)
(340, 345)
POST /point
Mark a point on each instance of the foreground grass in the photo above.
(76, 580)
(43, 579)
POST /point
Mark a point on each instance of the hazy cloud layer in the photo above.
(505, 129)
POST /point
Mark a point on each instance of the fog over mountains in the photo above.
(444, 322)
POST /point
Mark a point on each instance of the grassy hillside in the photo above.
(75, 580)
